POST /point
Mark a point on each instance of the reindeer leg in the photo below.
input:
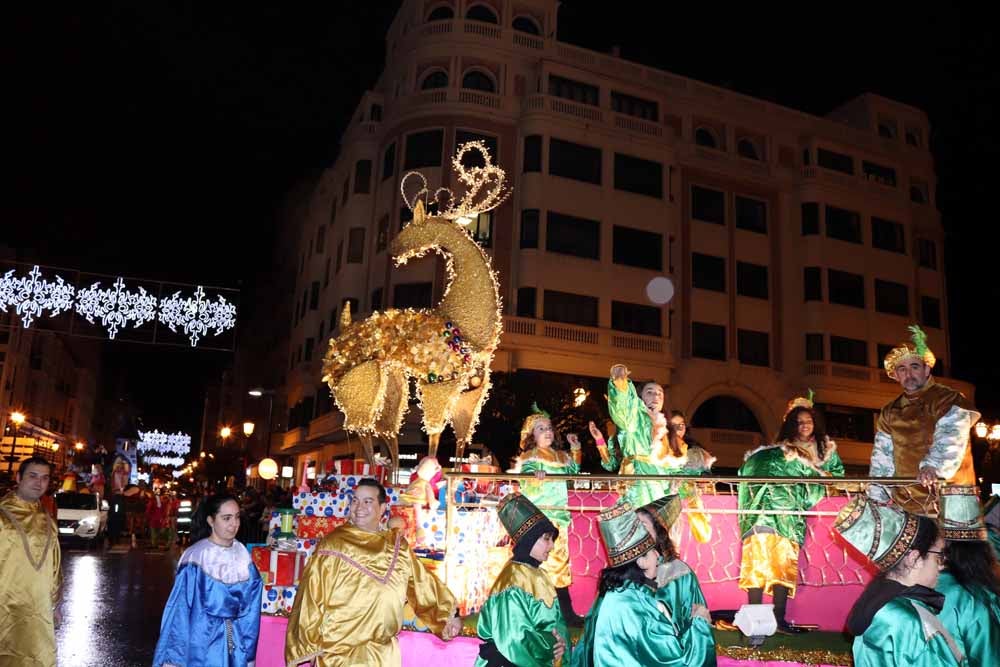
(366, 445)
(359, 395)
(466, 414)
(397, 394)
(438, 400)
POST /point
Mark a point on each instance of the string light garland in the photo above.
(173, 462)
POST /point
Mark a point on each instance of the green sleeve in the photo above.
(630, 416)
(834, 465)
(973, 619)
(613, 463)
(896, 639)
(521, 627)
(695, 634)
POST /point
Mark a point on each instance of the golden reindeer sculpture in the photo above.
(446, 349)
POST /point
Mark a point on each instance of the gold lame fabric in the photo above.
(29, 584)
(768, 560)
(349, 606)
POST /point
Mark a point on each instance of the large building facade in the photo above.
(799, 246)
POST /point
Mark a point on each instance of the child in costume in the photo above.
(538, 456)
(771, 542)
(520, 622)
(677, 585)
(895, 621)
(628, 625)
(970, 581)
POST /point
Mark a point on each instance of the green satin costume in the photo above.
(552, 494)
(973, 619)
(520, 615)
(896, 638)
(678, 587)
(630, 627)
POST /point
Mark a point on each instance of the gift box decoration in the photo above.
(278, 568)
(324, 503)
(408, 516)
(306, 545)
(343, 467)
(430, 533)
(317, 527)
(261, 557)
(274, 523)
(485, 464)
(277, 600)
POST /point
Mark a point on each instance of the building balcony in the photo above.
(568, 348)
(829, 375)
(588, 113)
(713, 159)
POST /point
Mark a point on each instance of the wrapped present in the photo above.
(316, 527)
(277, 600)
(274, 523)
(485, 464)
(430, 528)
(343, 467)
(261, 557)
(278, 568)
(409, 517)
(324, 503)
(306, 545)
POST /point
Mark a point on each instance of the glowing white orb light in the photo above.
(660, 290)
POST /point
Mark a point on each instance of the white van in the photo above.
(81, 515)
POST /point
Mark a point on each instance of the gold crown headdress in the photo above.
(916, 348)
(485, 187)
(801, 402)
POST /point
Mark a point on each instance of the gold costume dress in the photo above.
(29, 584)
(349, 606)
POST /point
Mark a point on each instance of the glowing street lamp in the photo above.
(248, 428)
(78, 446)
(225, 432)
(982, 429)
(18, 418)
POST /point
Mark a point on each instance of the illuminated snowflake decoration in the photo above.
(170, 443)
(175, 462)
(116, 307)
(31, 296)
(197, 316)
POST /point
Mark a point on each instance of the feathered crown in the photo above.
(529, 421)
(801, 402)
(485, 187)
(917, 347)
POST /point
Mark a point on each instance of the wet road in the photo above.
(111, 605)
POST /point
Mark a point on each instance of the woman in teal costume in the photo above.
(895, 622)
(520, 622)
(628, 625)
(677, 585)
(970, 581)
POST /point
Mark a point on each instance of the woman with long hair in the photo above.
(771, 542)
(213, 614)
(970, 581)
(540, 456)
(628, 625)
(895, 621)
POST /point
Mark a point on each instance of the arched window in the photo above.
(726, 412)
(705, 137)
(482, 13)
(441, 13)
(478, 80)
(747, 148)
(436, 79)
(375, 113)
(526, 24)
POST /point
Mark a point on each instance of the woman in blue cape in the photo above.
(212, 618)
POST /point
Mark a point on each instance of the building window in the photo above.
(887, 128)
(321, 239)
(847, 289)
(747, 148)
(377, 299)
(913, 137)
(918, 193)
(708, 205)
(481, 229)
(434, 79)
(308, 355)
(751, 280)
(423, 149)
(888, 235)
(346, 191)
(806, 157)
(636, 318)
(848, 351)
(835, 161)
(879, 173)
(634, 247)
(814, 347)
(412, 295)
(405, 216)
(570, 308)
(375, 113)
(706, 137)
(930, 311)
(843, 225)
(634, 106)
(643, 177)
(474, 159)
(326, 273)
(751, 215)
(810, 218)
(362, 177)
(441, 13)
(892, 298)
(708, 341)
(584, 93)
(356, 245)
(340, 255)
(849, 423)
(389, 162)
(526, 24)
(382, 240)
(526, 302)
(529, 228)
(481, 13)
(882, 350)
(753, 347)
(812, 280)
(314, 295)
(533, 153)
(569, 160)
(708, 272)
(479, 80)
(333, 319)
(927, 253)
(570, 235)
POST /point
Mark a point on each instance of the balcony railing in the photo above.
(521, 331)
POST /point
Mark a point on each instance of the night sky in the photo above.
(153, 140)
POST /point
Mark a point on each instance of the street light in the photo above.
(248, 429)
(225, 432)
(258, 392)
(18, 419)
(78, 446)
